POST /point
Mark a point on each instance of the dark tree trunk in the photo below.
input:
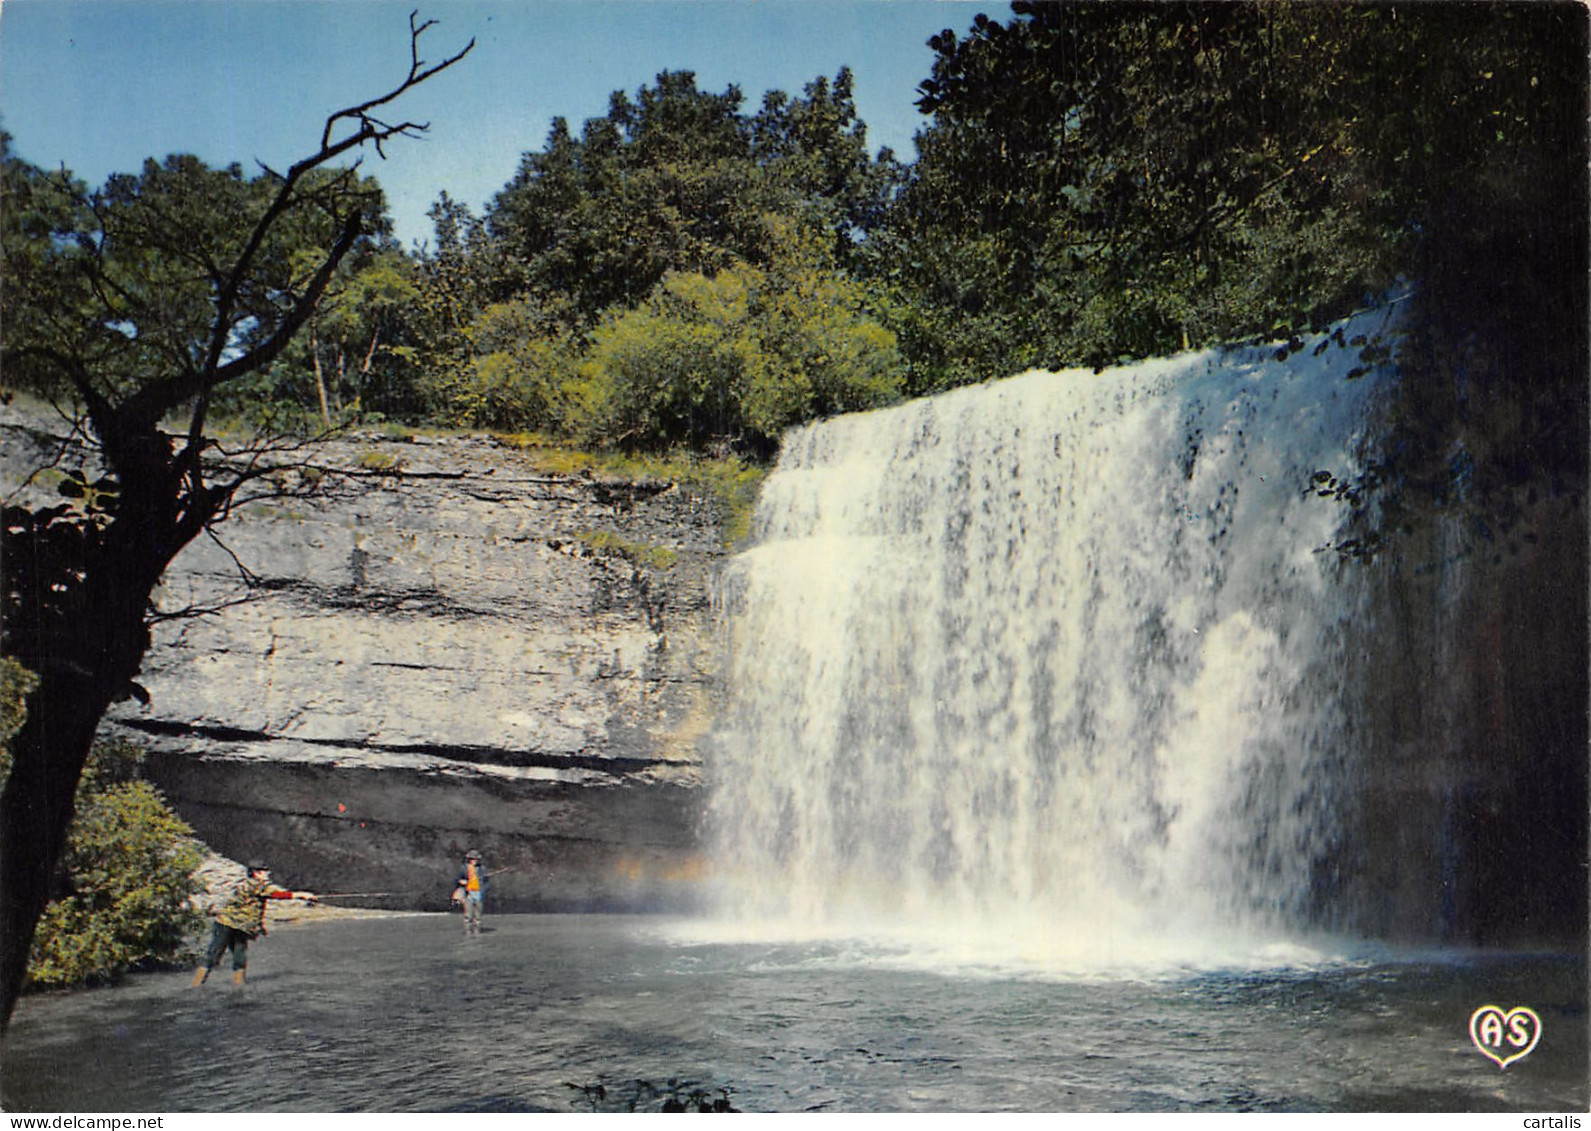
(48, 753)
(83, 631)
(91, 660)
(36, 809)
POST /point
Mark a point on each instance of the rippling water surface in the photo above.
(569, 1013)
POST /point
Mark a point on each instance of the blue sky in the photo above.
(99, 85)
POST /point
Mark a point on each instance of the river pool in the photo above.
(572, 1013)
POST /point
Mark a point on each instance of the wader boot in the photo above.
(199, 976)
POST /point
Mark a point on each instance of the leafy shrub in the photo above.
(821, 353)
(714, 360)
(129, 865)
(640, 553)
(675, 370)
(126, 879)
(380, 462)
(523, 372)
(16, 682)
(732, 360)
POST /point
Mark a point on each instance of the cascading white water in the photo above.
(1049, 669)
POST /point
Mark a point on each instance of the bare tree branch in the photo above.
(250, 578)
(155, 400)
(87, 627)
(371, 129)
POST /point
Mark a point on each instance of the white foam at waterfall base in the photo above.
(1048, 673)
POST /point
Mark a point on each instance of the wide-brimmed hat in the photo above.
(472, 854)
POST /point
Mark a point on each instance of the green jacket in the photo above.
(245, 908)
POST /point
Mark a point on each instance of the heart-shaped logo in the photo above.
(1505, 1035)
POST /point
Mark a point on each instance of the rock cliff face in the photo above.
(448, 648)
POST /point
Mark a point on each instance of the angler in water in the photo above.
(469, 890)
(242, 918)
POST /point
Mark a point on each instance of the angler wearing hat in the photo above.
(469, 890)
(241, 918)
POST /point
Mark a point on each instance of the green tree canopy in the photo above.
(680, 179)
(1142, 177)
(733, 359)
(129, 293)
(1103, 181)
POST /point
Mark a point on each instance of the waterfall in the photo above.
(1053, 667)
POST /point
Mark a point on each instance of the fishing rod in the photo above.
(493, 872)
(457, 895)
(351, 894)
(372, 894)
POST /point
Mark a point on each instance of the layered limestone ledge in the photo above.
(447, 647)
(392, 832)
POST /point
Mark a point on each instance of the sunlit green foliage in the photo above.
(352, 340)
(522, 373)
(675, 274)
(677, 179)
(127, 875)
(16, 682)
(456, 280)
(824, 350)
(675, 370)
(731, 360)
(730, 481)
(128, 868)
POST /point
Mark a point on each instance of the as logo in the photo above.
(1505, 1036)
